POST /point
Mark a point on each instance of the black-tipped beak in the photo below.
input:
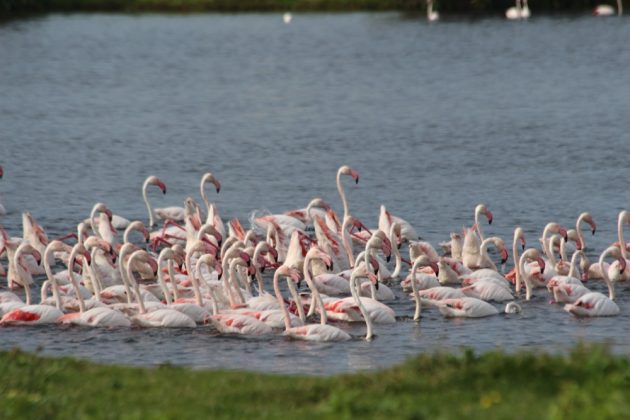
(219, 276)
(593, 231)
(356, 181)
(503, 260)
(299, 283)
(330, 267)
(388, 259)
(376, 285)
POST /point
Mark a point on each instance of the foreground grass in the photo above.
(588, 383)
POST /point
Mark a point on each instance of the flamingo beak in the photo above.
(593, 228)
(522, 244)
(622, 265)
(217, 184)
(541, 263)
(435, 268)
(162, 186)
(109, 214)
(374, 263)
(38, 257)
(504, 256)
(218, 237)
(354, 174)
(1, 172)
(489, 216)
(564, 234)
(245, 257)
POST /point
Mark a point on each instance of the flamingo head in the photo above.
(588, 218)
(287, 271)
(154, 180)
(316, 252)
(210, 179)
(346, 170)
(622, 264)
(519, 234)
(504, 255)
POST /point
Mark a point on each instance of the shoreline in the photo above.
(460, 8)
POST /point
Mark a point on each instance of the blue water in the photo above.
(529, 117)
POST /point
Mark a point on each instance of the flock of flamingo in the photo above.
(194, 270)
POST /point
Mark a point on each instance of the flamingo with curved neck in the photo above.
(345, 170)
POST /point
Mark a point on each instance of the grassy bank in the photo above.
(17, 7)
(589, 383)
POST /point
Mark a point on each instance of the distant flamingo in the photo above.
(607, 10)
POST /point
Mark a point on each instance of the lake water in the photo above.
(532, 118)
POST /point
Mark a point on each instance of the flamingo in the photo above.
(531, 254)
(386, 220)
(309, 332)
(607, 10)
(519, 11)
(466, 307)
(595, 270)
(432, 15)
(595, 303)
(18, 273)
(99, 316)
(474, 236)
(213, 217)
(161, 317)
(421, 261)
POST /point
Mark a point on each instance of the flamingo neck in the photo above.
(342, 194)
(226, 283)
(345, 236)
(51, 278)
(517, 266)
(145, 186)
(526, 279)
(416, 296)
(483, 254)
(193, 278)
(162, 283)
(285, 311)
(316, 296)
(96, 278)
(578, 228)
(573, 269)
(622, 242)
(233, 280)
(609, 284)
(296, 299)
(73, 280)
(17, 267)
(354, 286)
(396, 251)
(479, 230)
(93, 223)
(136, 286)
(563, 249)
(123, 275)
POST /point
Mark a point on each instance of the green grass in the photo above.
(588, 383)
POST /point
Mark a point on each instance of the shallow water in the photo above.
(531, 118)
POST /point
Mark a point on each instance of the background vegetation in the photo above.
(588, 383)
(13, 7)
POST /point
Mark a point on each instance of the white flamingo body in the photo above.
(593, 304)
(467, 307)
(488, 291)
(317, 332)
(31, 315)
